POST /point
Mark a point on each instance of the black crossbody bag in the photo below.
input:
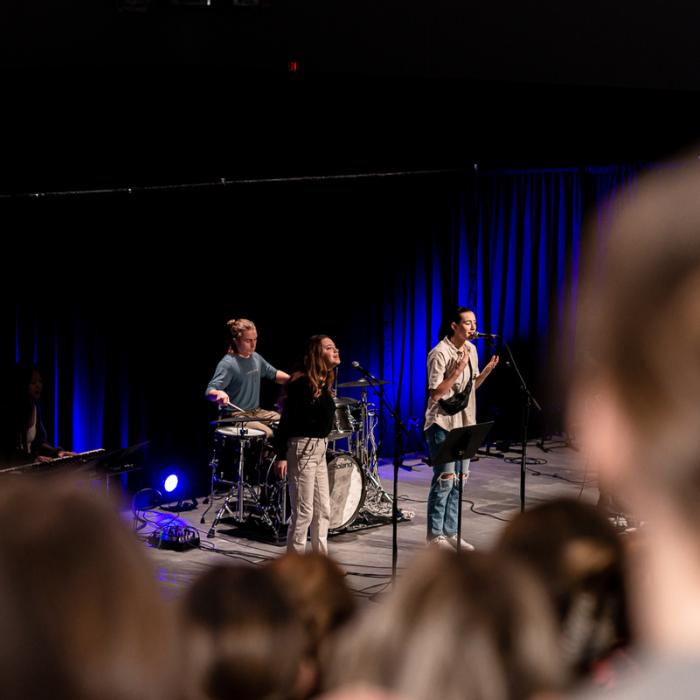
(458, 402)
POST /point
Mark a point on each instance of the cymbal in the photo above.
(361, 382)
(240, 418)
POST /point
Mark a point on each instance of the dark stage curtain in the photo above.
(128, 338)
(507, 245)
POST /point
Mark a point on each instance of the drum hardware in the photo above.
(361, 383)
(346, 484)
(344, 423)
(365, 450)
(238, 418)
(237, 490)
(274, 498)
(354, 482)
(255, 491)
(378, 504)
(355, 421)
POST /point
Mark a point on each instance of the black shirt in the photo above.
(303, 415)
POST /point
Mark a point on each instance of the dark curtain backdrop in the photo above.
(506, 244)
(121, 299)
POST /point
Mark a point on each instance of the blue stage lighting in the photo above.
(170, 483)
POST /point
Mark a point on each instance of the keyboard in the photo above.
(76, 461)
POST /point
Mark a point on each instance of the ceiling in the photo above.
(153, 90)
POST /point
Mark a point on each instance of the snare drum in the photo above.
(229, 441)
(346, 482)
(344, 423)
(236, 432)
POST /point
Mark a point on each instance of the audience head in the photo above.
(636, 400)
(244, 638)
(580, 560)
(472, 626)
(82, 616)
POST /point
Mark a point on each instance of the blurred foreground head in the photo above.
(471, 626)
(317, 588)
(82, 617)
(636, 399)
(244, 638)
(321, 599)
(580, 560)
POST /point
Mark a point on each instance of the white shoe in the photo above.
(441, 542)
(619, 522)
(464, 545)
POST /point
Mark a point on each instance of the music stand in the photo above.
(112, 463)
(461, 443)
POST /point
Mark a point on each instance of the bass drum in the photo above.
(346, 482)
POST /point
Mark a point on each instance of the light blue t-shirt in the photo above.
(240, 378)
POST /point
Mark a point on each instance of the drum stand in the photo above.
(214, 465)
(269, 503)
(237, 490)
(219, 441)
(364, 449)
(274, 512)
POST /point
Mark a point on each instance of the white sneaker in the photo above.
(464, 545)
(441, 542)
(619, 522)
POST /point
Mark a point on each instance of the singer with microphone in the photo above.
(301, 442)
(453, 377)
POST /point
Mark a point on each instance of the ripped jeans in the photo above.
(443, 498)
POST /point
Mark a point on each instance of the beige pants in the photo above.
(309, 494)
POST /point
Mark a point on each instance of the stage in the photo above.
(366, 555)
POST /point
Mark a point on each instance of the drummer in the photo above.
(235, 386)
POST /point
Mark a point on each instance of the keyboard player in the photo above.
(25, 422)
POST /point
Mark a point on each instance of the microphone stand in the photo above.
(528, 401)
(399, 431)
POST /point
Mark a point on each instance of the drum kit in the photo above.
(244, 453)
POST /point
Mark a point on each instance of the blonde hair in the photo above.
(238, 326)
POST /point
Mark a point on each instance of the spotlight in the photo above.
(170, 483)
(176, 490)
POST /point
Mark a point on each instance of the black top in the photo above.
(14, 449)
(303, 415)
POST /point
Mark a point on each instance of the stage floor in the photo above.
(366, 555)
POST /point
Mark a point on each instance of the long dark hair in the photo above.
(316, 368)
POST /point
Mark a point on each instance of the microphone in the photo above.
(363, 371)
(490, 336)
